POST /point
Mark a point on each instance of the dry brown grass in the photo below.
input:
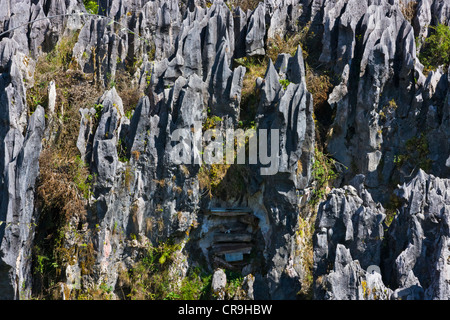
(73, 93)
(57, 192)
(136, 154)
(408, 9)
(62, 183)
(210, 177)
(128, 93)
(318, 81)
(319, 85)
(74, 90)
(63, 175)
(245, 4)
(279, 45)
(255, 67)
(225, 181)
(304, 238)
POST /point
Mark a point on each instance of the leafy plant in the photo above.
(234, 284)
(81, 177)
(91, 6)
(123, 153)
(129, 114)
(322, 174)
(195, 286)
(211, 122)
(284, 83)
(98, 110)
(436, 48)
(40, 264)
(151, 278)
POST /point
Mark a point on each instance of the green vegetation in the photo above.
(284, 83)
(81, 177)
(52, 66)
(436, 48)
(322, 174)
(304, 245)
(61, 56)
(391, 208)
(255, 67)
(234, 284)
(415, 153)
(122, 151)
(98, 111)
(97, 292)
(91, 6)
(64, 183)
(72, 93)
(51, 256)
(211, 122)
(151, 278)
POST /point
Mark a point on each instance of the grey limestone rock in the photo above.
(256, 29)
(18, 212)
(412, 261)
(348, 281)
(290, 112)
(183, 58)
(218, 283)
(104, 153)
(225, 87)
(418, 238)
(283, 17)
(270, 89)
(347, 219)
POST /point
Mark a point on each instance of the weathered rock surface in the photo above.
(348, 238)
(418, 238)
(218, 283)
(289, 112)
(410, 260)
(181, 57)
(371, 47)
(20, 149)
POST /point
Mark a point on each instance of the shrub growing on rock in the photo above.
(436, 49)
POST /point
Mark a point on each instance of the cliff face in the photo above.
(95, 106)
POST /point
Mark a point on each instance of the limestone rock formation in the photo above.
(123, 111)
(409, 261)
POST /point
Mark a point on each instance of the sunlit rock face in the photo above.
(153, 79)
